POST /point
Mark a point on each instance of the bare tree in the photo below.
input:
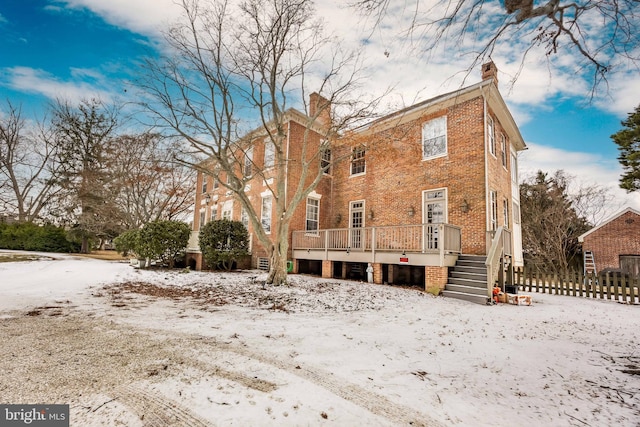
(152, 185)
(84, 136)
(27, 162)
(229, 84)
(555, 211)
(604, 32)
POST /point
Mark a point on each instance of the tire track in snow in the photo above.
(155, 410)
(371, 401)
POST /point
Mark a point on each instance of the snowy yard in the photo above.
(134, 347)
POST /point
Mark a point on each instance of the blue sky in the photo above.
(76, 49)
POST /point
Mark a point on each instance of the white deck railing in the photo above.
(422, 238)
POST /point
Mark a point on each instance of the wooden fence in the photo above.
(608, 286)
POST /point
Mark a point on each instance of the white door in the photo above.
(434, 212)
(356, 222)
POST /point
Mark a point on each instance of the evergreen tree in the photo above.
(628, 141)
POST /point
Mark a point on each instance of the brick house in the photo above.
(615, 244)
(419, 189)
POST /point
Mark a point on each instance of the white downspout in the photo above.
(486, 163)
(286, 176)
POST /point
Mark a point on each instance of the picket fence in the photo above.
(607, 286)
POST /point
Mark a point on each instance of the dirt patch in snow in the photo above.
(248, 291)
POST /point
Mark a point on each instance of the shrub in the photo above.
(32, 237)
(127, 242)
(163, 240)
(223, 242)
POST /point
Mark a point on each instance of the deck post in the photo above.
(327, 266)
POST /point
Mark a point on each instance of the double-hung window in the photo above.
(434, 138)
(505, 211)
(244, 218)
(493, 204)
(269, 154)
(503, 146)
(248, 162)
(514, 168)
(491, 137)
(325, 161)
(202, 218)
(265, 216)
(358, 160)
(204, 183)
(227, 210)
(313, 214)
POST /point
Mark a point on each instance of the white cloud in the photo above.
(41, 82)
(145, 17)
(587, 168)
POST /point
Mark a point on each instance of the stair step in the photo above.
(470, 275)
(475, 264)
(468, 279)
(474, 290)
(477, 299)
(468, 282)
(477, 258)
(474, 270)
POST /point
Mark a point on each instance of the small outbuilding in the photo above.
(614, 244)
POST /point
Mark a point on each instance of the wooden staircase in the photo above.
(468, 279)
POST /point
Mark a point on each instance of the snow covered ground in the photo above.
(134, 347)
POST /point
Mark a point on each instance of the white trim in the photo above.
(446, 203)
(364, 209)
(614, 217)
(446, 138)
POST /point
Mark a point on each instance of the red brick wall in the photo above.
(297, 134)
(618, 237)
(396, 176)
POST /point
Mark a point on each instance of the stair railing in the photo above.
(500, 248)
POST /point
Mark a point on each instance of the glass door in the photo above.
(356, 222)
(435, 211)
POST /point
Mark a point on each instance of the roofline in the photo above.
(485, 88)
(612, 218)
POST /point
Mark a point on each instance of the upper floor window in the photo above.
(202, 219)
(248, 162)
(269, 154)
(265, 216)
(505, 211)
(204, 184)
(244, 218)
(491, 138)
(227, 210)
(325, 160)
(313, 214)
(493, 206)
(358, 160)
(514, 168)
(503, 147)
(214, 212)
(434, 138)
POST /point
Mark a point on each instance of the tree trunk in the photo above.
(277, 268)
(84, 247)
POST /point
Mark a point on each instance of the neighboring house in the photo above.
(419, 187)
(615, 244)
